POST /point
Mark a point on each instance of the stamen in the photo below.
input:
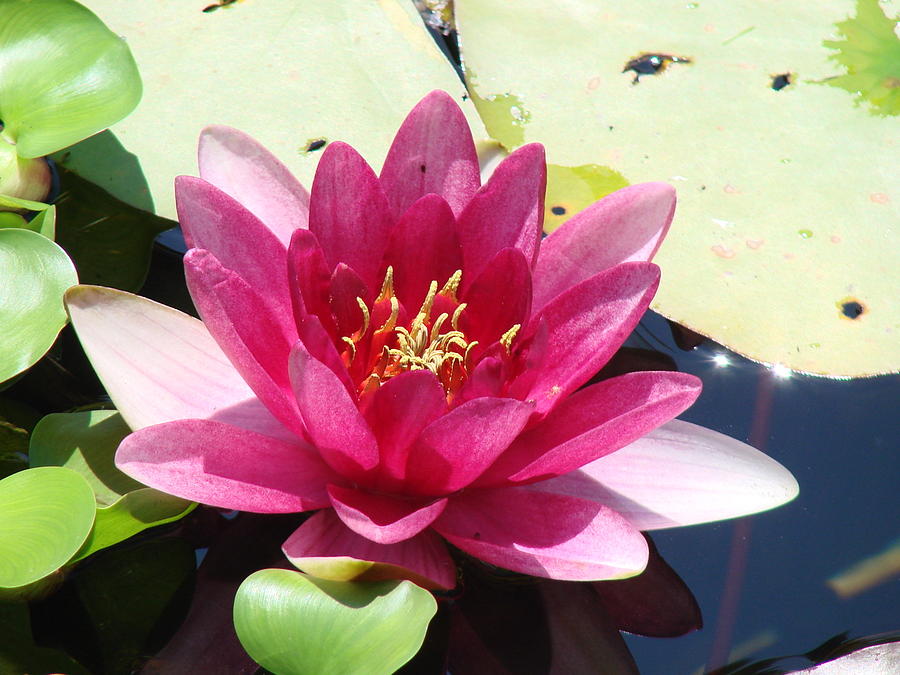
(387, 287)
(449, 289)
(456, 314)
(365, 324)
(425, 311)
(352, 345)
(510, 335)
(392, 319)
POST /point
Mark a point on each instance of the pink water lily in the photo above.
(404, 354)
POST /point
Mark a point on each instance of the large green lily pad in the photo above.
(286, 72)
(293, 624)
(785, 244)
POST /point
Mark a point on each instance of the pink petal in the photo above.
(592, 423)
(332, 420)
(349, 213)
(680, 474)
(587, 324)
(498, 299)
(399, 410)
(324, 547)
(214, 221)
(309, 278)
(226, 466)
(453, 450)
(344, 289)
(319, 344)
(542, 534)
(239, 166)
(423, 248)
(159, 364)
(486, 379)
(256, 338)
(383, 519)
(432, 152)
(507, 211)
(627, 225)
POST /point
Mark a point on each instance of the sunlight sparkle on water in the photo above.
(781, 372)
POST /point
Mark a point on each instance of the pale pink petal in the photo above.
(214, 221)
(324, 547)
(382, 518)
(432, 152)
(680, 474)
(453, 450)
(543, 534)
(627, 225)
(159, 364)
(255, 338)
(498, 299)
(226, 466)
(507, 211)
(423, 248)
(592, 423)
(333, 422)
(349, 213)
(239, 166)
(397, 413)
(586, 325)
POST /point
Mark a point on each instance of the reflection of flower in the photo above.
(415, 354)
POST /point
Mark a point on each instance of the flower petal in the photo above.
(222, 465)
(507, 211)
(214, 221)
(627, 225)
(333, 422)
(382, 518)
(399, 410)
(241, 167)
(498, 299)
(255, 337)
(324, 547)
(594, 422)
(432, 152)
(453, 450)
(423, 248)
(159, 364)
(309, 278)
(349, 213)
(680, 474)
(586, 325)
(543, 534)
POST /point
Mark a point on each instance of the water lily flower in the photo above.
(403, 354)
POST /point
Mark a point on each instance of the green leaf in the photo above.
(110, 242)
(63, 75)
(870, 51)
(8, 202)
(379, 62)
(19, 653)
(85, 442)
(293, 624)
(34, 273)
(46, 515)
(784, 247)
(572, 188)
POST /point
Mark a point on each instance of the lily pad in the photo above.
(785, 242)
(275, 80)
(34, 274)
(63, 75)
(46, 515)
(293, 624)
(19, 653)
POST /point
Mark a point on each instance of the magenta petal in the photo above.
(399, 410)
(507, 211)
(324, 547)
(592, 423)
(333, 422)
(586, 325)
(432, 152)
(318, 343)
(486, 379)
(256, 338)
(423, 248)
(214, 221)
(226, 466)
(349, 213)
(627, 225)
(498, 299)
(453, 450)
(239, 166)
(542, 534)
(309, 277)
(344, 289)
(381, 518)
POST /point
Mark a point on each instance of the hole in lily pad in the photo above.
(648, 63)
(558, 210)
(852, 309)
(314, 144)
(779, 82)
